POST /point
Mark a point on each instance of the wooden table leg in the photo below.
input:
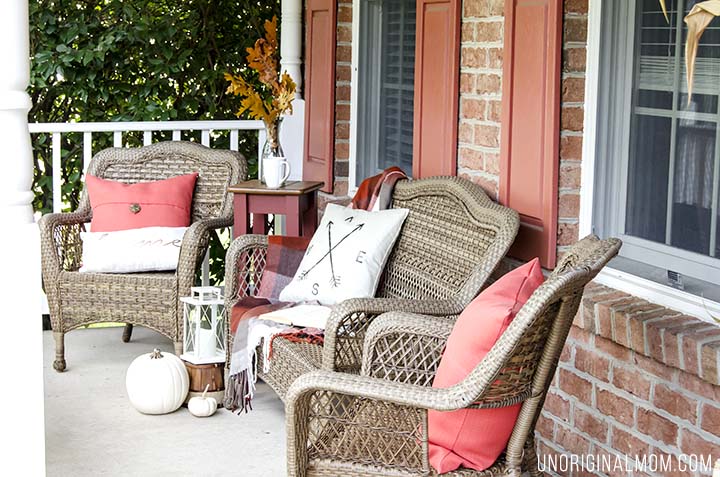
(292, 216)
(260, 224)
(310, 215)
(241, 222)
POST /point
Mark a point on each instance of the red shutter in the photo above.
(437, 71)
(320, 91)
(529, 151)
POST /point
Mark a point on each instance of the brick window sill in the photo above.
(667, 336)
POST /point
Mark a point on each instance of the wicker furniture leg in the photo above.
(531, 459)
(178, 347)
(127, 332)
(59, 363)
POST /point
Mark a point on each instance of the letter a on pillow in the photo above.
(475, 438)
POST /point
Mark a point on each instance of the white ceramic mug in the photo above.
(276, 171)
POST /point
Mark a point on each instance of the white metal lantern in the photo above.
(204, 326)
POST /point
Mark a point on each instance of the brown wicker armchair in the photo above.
(146, 299)
(453, 239)
(376, 423)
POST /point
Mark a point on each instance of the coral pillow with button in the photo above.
(120, 206)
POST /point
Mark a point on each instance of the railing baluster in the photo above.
(176, 136)
(87, 150)
(234, 140)
(117, 139)
(147, 138)
(205, 138)
(57, 172)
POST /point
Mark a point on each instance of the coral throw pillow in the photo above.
(120, 206)
(475, 438)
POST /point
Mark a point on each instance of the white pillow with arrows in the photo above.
(346, 256)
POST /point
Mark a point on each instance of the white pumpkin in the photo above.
(202, 406)
(157, 383)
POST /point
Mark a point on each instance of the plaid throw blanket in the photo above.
(284, 255)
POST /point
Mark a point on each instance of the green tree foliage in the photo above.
(134, 60)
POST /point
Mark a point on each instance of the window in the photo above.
(658, 155)
(386, 67)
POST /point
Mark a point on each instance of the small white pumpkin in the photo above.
(201, 406)
(157, 383)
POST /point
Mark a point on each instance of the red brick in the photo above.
(342, 112)
(340, 188)
(465, 133)
(591, 425)
(567, 234)
(492, 163)
(344, 33)
(711, 419)
(632, 382)
(571, 441)
(570, 176)
(569, 206)
(489, 32)
(653, 425)
(575, 6)
(470, 158)
(557, 406)
(675, 403)
(574, 30)
(698, 386)
(579, 335)
(709, 356)
(654, 335)
(488, 84)
(494, 111)
(591, 363)
(574, 60)
(467, 32)
(344, 14)
(651, 366)
(473, 57)
(573, 90)
(342, 151)
(342, 73)
(343, 54)
(604, 311)
(490, 186)
(472, 108)
(576, 386)
(629, 444)
(617, 407)
(342, 93)
(545, 426)
(613, 349)
(690, 351)
(467, 83)
(494, 58)
(571, 119)
(691, 443)
(488, 136)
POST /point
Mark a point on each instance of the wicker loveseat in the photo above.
(375, 423)
(452, 240)
(147, 299)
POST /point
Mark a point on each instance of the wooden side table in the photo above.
(296, 200)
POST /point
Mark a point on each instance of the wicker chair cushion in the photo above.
(121, 206)
(475, 438)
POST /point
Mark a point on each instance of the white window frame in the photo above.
(653, 292)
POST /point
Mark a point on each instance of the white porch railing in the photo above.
(118, 129)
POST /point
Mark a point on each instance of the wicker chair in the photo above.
(453, 239)
(146, 299)
(376, 423)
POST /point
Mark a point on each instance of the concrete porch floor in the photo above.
(91, 429)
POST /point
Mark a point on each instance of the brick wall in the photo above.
(634, 379)
(481, 64)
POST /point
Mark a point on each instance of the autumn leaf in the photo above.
(697, 21)
(664, 10)
(271, 32)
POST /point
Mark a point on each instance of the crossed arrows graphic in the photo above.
(334, 280)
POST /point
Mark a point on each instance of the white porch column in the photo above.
(21, 351)
(292, 135)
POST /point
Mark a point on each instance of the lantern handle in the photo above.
(207, 386)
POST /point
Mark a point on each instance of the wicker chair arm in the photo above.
(193, 248)
(60, 241)
(349, 320)
(244, 265)
(405, 347)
